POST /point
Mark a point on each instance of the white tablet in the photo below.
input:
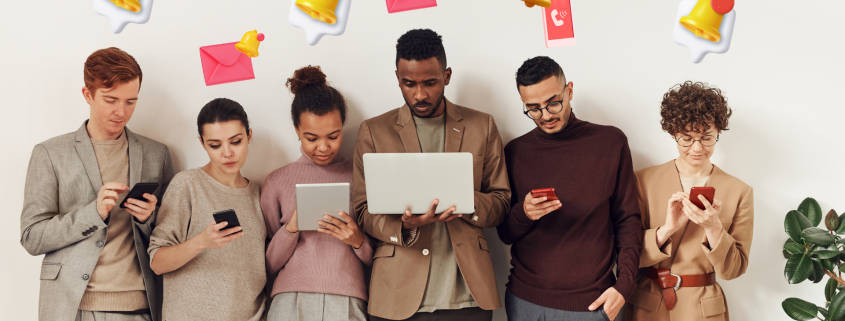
(396, 181)
(315, 200)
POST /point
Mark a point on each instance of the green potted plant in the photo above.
(811, 254)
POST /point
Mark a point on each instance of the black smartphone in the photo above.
(227, 216)
(138, 192)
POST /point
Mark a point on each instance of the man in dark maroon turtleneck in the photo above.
(563, 251)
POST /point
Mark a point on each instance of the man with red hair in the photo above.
(96, 265)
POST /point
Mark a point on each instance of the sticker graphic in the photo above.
(557, 24)
(315, 28)
(394, 6)
(225, 63)
(704, 26)
(542, 3)
(122, 12)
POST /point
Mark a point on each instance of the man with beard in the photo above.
(433, 266)
(566, 243)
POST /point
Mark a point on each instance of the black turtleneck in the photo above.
(565, 259)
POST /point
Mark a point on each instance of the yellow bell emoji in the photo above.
(704, 20)
(322, 10)
(131, 5)
(249, 43)
(542, 3)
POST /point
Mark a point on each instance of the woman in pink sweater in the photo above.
(319, 275)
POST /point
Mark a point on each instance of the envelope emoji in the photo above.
(224, 63)
(394, 6)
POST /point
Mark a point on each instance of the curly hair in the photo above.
(693, 106)
(537, 69)
(313, 94)
(421, 44)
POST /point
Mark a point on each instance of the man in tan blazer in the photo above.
(95, 264)
(434, 266)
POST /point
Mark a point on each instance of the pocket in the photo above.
(385, 250)
(482, 244)
(647, 301)
(713, 308)
(50, 271)
(604, 314)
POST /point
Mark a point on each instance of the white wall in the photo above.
(782, 76)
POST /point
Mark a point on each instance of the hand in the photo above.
(107, 198)
(411, 221)
(536, 208)
(675, 218)
(215, 237)
(708, 218)
(612, 300)
(139, 209)
(291, 225)
(344, 229)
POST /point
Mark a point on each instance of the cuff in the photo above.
(365, 252)
(519, 217)
(718, 254)
(626, 288)
(91, 218)
(409, 237)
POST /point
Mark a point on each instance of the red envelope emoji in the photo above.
(224, 63)
(394, 6)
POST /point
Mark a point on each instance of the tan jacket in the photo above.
(399, 273)
(691, 251)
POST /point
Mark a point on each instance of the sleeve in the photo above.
(385, 228)
(651, 254)
(730, 257)
(516, 224)
(491, 202)
(43, 228)
(166, 175)
(365, 252)
(283, 243)
(625, 213)
(174, 217)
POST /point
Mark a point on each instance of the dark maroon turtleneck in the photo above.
(565, 259)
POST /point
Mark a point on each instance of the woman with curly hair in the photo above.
(685, 246)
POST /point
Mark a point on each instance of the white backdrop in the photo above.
(782, 76)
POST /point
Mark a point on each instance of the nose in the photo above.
(420, 94)
(322, 146)
(546, 114)
(228, 151)
(697, 145)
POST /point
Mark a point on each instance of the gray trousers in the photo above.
(522, 310)
(112, 316)
(468, 314)
(304, 306)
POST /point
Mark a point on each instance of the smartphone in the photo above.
(227, 216)
(707, 191)
(549, 193)
(138, 192)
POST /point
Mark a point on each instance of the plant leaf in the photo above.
(825, 254)
(830, 289)
(790, 248)
(817, 236)
(798, 309)
(841, 228)
(811, 208)
(794, 223)
(831, 220)
(798, 268)
(837, 306)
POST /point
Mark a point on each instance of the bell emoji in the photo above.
(322, 10)
(706, 17)
(130, 5)
(249, 43)
(542, 3)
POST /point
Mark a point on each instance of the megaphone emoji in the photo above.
(542, 3)
(706, 17)
(249, 43)
(322, 10)
(131, 5)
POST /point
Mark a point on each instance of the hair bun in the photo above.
(310, 76)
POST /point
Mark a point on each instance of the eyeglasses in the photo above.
(553, 107)
(687, 141)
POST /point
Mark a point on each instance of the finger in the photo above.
(453, 217)
(443, 216)
(139, 203)
(433, 206)
(327, 225)
(707, 205)
(535, 201)
(229, 231)
(549, 204)
(151, 198)
(233, 236)
(717, 204)
(219, 226)
(598, 302)
(333, 220)
(136, 208)
(407, 215)
(345, 217)
(329, 232)
(114, 186)
(109, 194)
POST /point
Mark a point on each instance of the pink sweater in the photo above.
(309, 261)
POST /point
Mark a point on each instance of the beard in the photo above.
(431, 108)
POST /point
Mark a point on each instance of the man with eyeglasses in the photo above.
(564, 250)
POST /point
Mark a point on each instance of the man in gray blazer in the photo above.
(96, 264)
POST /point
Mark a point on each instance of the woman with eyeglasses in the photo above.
(686, 246)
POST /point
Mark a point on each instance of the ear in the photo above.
(570, 89)
(447, 75)
(88, 95)
(202, 142)
(249, 135)
(398, 78)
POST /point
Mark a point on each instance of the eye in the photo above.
(410, 84)
(214, 146)
(333, 137)
(311, 139)
(236, 142)
(430, 83)
(111, 101)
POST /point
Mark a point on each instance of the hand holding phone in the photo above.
(536, 209)
(227, 216)
(708, 192)
(549, 193)
(138, 192)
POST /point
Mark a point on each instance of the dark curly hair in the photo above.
(313, 94)
(421, 44)
(693, 106)
(537, 69)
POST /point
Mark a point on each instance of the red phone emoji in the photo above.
(708, 193)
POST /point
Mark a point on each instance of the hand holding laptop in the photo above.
(411, 221)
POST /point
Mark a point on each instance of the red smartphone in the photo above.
(549, 193)
(707, 191)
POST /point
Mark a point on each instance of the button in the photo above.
(85, 277)
(100, 244)
(475, 218)
(425, 251)
(394, 239)
(94, 228)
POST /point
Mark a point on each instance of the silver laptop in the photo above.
(315, 200)
(396, 181)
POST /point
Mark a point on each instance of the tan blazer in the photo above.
(691, 251)
(400, 273)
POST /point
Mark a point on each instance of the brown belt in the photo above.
(670, 282)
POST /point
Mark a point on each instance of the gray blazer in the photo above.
(60, 218)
